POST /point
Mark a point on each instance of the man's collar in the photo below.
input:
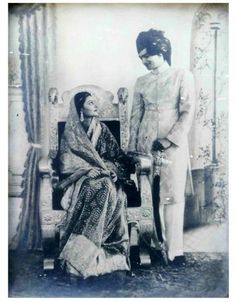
(161, 69)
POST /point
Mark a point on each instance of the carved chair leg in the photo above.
(134, 233)
(49, 247)
(144, 255)
(145, 236)
(134, 244)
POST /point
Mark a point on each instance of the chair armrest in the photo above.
(46, 170)
(143, 165)
(143, 162)
(45, 167)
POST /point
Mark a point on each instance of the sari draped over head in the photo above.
(94, 230)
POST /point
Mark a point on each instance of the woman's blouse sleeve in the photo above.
(136, 117)
(186, 110)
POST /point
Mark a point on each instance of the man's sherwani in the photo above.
(163, 107)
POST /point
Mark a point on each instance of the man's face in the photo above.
(151, 62)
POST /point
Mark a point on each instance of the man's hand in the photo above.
(161, 144)
(165, 143)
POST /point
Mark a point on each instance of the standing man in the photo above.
(161, 118)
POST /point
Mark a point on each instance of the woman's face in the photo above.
(90, 108)
(151, 62)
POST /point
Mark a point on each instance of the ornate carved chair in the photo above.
(115, 115)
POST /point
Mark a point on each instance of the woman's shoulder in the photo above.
(105, 129)
(103, 125)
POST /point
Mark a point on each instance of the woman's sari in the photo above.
(94, 237)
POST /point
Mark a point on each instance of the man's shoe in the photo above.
(178, 261)
(157, 257)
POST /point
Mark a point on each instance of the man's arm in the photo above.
(186, 110)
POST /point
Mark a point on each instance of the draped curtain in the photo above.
(35, 40)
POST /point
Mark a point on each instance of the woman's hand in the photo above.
(113, 176)
(93, 173)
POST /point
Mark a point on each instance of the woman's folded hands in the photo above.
(96, 172)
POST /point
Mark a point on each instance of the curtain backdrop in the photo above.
(35, 39)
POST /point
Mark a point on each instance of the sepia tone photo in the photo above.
(119, 115)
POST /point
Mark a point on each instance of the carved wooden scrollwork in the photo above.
(123, 95)
(123, 116)
(133, 214)
(108, 111)
(48, 218)
(53, 95)
(53, 122)
(52, 217)
(45, 195)
(146, 192)
(147, 213)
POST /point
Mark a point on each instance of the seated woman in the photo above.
(94, 237)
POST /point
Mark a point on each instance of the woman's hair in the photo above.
(79, 100)
(155, 43)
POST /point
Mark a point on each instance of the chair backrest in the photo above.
(113, 113)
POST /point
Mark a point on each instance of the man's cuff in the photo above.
(173, 139)
(166, 143)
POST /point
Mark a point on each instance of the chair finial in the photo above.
(123, 94)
